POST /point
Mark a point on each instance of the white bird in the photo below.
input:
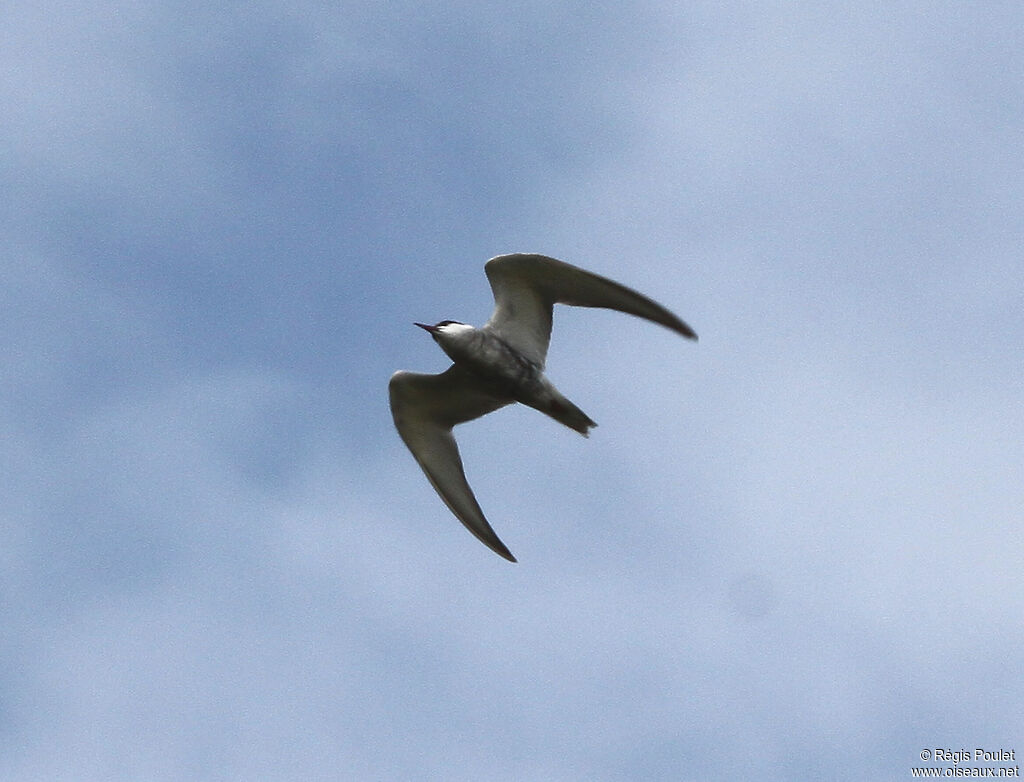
(498, 364)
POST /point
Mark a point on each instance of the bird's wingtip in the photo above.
(499, 548)
(685, 330)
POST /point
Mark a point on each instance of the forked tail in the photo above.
(565, 412)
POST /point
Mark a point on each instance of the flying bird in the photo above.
(500, 363)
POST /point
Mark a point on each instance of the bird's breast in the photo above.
(490, 357)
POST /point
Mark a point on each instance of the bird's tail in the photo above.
(565, 412)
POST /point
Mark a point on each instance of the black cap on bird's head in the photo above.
(436, 327)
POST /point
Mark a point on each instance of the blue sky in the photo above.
(790, 551)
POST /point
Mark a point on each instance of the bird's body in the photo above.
(509, 373)
(500, 363)
(486, 354)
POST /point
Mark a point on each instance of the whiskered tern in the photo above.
(498, 364)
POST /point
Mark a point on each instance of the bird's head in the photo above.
(446, 328)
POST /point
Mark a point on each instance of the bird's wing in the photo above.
(425, 408)
(527, 286)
